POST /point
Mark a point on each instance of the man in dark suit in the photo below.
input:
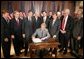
(45, 19)
(27, 29)
(54, 27)
(77, 34)
(22, 39)
(5, 34)
(65, 30)
(16, 24)
(36, 22)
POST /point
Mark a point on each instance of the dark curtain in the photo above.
(35, 6)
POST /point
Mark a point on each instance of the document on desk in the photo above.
(36, 40)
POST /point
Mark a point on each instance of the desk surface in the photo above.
(45, 44)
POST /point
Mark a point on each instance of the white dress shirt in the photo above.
(65, 22)
(53, 21)
(29, 18)
(17, 20)
(44, 19)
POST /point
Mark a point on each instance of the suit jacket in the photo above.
(36, 23)
(69, 25)
(50, 17)
(27, 27)
(16, 29)
(5, 29)
(41, 33)
(78, 28)
(54, 30)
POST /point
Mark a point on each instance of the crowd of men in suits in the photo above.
(20, 27)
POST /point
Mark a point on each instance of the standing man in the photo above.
(16, 24)
(36, 21)
(22, 18)
(54, 26)
(5, 34)
(65, 29)
(77, 33)
(45, 19)
(27, 30)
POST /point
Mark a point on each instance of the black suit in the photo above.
(5, 33)
(22, 39)
(27, 29)
(66, 36)
(54, 29)
(50, 17)
(16, 29)
(36, 23)
(77, 31)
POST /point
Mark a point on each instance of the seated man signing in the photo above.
(41, 33)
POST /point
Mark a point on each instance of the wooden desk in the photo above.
(50, 43)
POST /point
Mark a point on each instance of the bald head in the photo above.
(58, 14)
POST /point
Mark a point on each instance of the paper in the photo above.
(36, 40)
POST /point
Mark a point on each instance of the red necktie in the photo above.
(62, 27)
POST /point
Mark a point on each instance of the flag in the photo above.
(10, 8)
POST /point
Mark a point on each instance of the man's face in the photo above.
(44, 14)
(50, 13)
(66, 12)
(21, 15)
(30, 14)
(79, 13)
(36, 14)
(54, 16)
(6, 14)
(43, 26)
(17, 15)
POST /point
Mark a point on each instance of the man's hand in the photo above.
(54, 36)
(79, 37)
(23, 35)
(63, 31)
(12, 36)
(6, 39)
(33, 37)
